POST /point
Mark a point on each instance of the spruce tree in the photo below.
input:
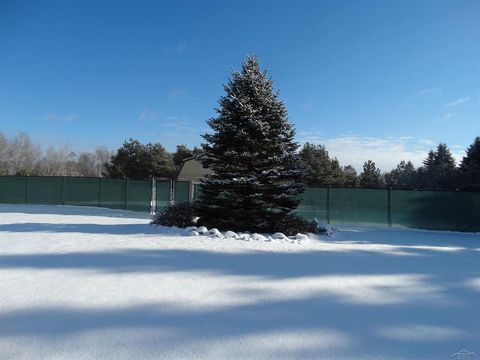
(181, 153)
(256, 176)
(404, 176)
(135, 160)
(470, 166)
(439, 171)
(445, 168)
(350, 177)
(320, 170)
(370, 176)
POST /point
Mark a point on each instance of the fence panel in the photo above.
(425, 209)
(469, 211)
(364, 206)
(436, 210)
(314, 204)
(163, 191)
(139, 195)
(182, 191)
(44, 190)
(197, 191)
(112, 193)
(12, 189)
(81, 191)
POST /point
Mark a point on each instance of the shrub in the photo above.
(293, 224)
(180, 215)
(288, 225)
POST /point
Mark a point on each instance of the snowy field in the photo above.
(86, 283)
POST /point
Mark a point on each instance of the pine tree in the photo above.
(182, 152)
(350, 177)
(404, 176)
(439, 170)
(370, 177)
(256, 176)
(138, 161)
(470, 166)
(320, 170)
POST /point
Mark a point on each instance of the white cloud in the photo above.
(429, 91)
(175, 93)
(147, 115)
(181, 47)
(307, 105)
(458, 101)
(57, 117)
(386, 152)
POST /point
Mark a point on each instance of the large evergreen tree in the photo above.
(257, 175)
(470, 166)
(140, 161)
(183, 152)
(350, 177)
(370, 176)
(439, 170)
(320, 170)
(404, 176)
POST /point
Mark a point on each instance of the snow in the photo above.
(83, 283)
(214, 232)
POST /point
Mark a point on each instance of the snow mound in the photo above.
(215, 232)
(202, 230)
(324, 229)
(259, 237)
(245, 236)
(301, 237)
(230, 234)
(279, 236)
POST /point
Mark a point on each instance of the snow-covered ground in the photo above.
(90, 283)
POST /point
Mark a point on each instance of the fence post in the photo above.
(172, 191)
(457, 206)
(191, 188)
(153, 196)
(328, 203)
(125, 205)
(389, 207)
(26, 189)
(99, 191)
(63, 190)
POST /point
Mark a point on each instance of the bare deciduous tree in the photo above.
(23, 156)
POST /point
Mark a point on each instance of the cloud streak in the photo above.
(429, 91)
(175, 93)
(56, 117)
(458, 101)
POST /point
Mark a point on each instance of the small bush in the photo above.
(293, 224)
(180, 215)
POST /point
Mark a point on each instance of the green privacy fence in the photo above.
(182, 191)
(438, 210)
(58, 190)
(434, 210)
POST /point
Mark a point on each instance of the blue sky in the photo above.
(380, 80)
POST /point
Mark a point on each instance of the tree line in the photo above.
(438, 171)
(20, 156)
